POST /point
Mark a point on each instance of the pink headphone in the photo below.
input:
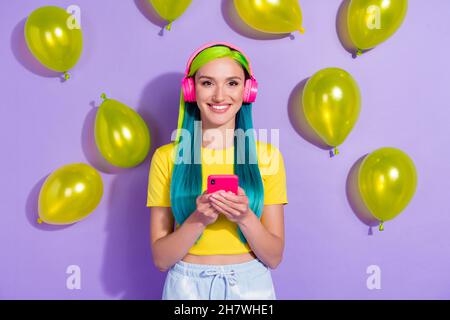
(250, 87)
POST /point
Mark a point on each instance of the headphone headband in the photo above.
(212, 44)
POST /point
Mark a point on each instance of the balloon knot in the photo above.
(301, 30)
(39, 221)
(381, 227)
(334, 152)
(66, 75)
(103, 96)
(169, 25)
(359, 52)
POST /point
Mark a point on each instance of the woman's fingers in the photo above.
(240, 198)
(223, 207)
(213, 212)
(209, 210)
(234, 208)
(204, 198)
(231, 204)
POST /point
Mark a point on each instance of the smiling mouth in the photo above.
(219, 108)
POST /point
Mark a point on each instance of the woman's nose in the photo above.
(218, 94)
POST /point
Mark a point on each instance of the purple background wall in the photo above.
(46, 124)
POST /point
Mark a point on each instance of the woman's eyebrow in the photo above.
(229, 78)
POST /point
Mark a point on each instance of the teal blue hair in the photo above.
(186, 184)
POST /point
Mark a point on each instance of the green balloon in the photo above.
(282, 16)
(331, 104)
(52, 39)
(170, 10)
(371, 22)
(121, 134)
(70, 194)
(387, 181)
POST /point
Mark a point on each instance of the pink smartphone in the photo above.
(226, 182)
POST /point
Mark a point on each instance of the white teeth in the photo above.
(219, 107)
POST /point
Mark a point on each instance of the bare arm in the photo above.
(169, 246)
(266, 237)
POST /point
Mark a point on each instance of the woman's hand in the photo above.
(234, 207)
(204, 211)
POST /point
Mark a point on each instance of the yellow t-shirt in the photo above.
(220, 237)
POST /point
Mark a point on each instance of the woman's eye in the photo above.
(209, 83)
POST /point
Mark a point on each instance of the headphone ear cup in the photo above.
(188, 89)
(250, 90)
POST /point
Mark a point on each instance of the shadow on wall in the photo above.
(233, 20)
(23, 55)
(301, 126)
(354, 197)
(298, 119)
(158, 106)
(128, 269)
(342, 29)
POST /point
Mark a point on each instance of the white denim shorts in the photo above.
(250, 280)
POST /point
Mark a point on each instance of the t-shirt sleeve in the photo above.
(274, 178)
(158, 193)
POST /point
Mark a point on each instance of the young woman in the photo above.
(223, 244)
